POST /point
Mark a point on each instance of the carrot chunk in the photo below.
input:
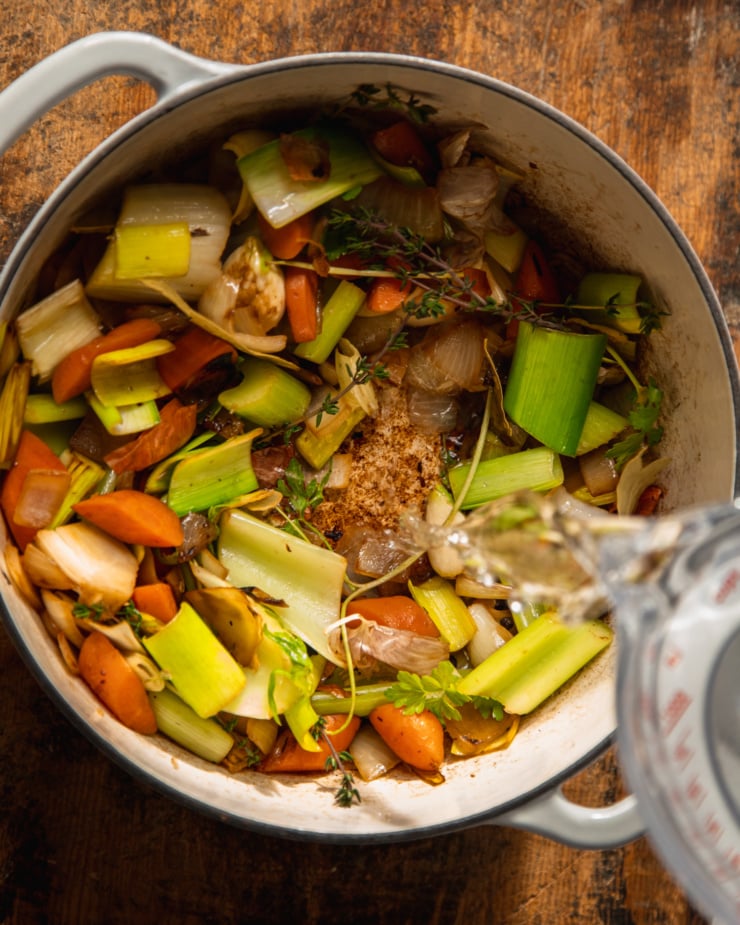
(156, 599)
(133, 517)
(288, 756)
(287, 242)
(301, 303)
(417, 738)
(396, 611)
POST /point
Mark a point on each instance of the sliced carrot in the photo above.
(287, 242)
(32, 455)
(396, 611)
(288, 756)
(417, 738)
(386, 294)
(194, 351)
(71, 376)
(133, 517)
(114, 681)
(648, 501)
(302, 303)
(176, 426)
(156, 599)
(401, 144)
(535, 282)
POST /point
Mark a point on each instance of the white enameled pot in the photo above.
(597, 197)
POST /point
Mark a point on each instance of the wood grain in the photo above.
(81, 842)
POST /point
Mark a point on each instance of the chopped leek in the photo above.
(551, 384)
(281, 199)
(152, 250)
(336, 315)
(56, 326)
(322, 436)
(9, 348)
(204, 737)
(241, 144)
(447, 611)
(506, 247)
(268, 395)
(42, 409)
(85, 475)
(307, 580)
(211, 477)
(600, 426)
(538, 469)
(130, 376)
(201, 669)
(618, 294)
(125, 419)
(12, 403)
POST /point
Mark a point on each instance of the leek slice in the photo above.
(130, 376)
(203, 673)
(42, 409)
(85, 475)
(336, 316)
(9, 348)
(55, 326)
(551, 384)
(152, 250)
(306, 579)
(281, 199)
(600, 426)
(618, 294)
(212, 477)
(447, 611)
(12, 403)
(268, 395)
(125, 419)
(538, 469)
(506, 247)
(179, 722)
(321, 439)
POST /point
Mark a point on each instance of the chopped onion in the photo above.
(444, 559)
(469, 194)
(415, 208)
(370, 643)
(489, 634)
(371, 756)
(59, 610)
(451, 358)
(474, 734)
(635, 478)
(432, 412)
(598, 471)
(120, 634)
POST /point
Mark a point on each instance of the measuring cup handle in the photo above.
(102, 54)
(554, 815)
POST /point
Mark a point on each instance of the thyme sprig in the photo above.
(347, 793)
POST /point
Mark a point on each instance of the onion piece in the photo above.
(371, 643)
(489, 634)
(635, 478)
(432, 412)
(371, 756)
(474, 734)
(599, 472)
(412, 207)
(59, 609)
(451, 358)
(469, 194)
(120, 634)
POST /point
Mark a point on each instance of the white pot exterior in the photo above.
(600, 199)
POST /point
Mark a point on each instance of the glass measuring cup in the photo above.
(674, 586)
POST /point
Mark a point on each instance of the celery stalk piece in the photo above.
(504, 665)
(202, 671)
(307, 578)
(336, 316)
(447, 611)
(130, 376)
(618, 293)
(152, 250)
(125, 419)
(202, 208)
(159, 478)
(179, 722)
(42, 409)
(556, 665)
(551, 383)
(281, 199)
(210, 477)
(538, 469)
(317, 443)
(12, 402)
(600, 426)
(367, 697)
(55, 326)
(268, 395)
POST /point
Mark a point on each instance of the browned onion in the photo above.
(450, 359)
(598, 472)
(432, 412)
(416, 208)
(370, 643)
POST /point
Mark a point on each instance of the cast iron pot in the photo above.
(597, 197)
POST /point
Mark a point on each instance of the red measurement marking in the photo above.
(675, 709)
(674, 657)
(713, 827)
(682, 753)
(728, 586)
(696, 791)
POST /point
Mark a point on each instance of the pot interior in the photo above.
(593, 197)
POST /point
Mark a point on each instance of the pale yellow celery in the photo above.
(125, 419)
(322, 438)
(130, 376)
(447, 611)
(203, 673)
(201, 736)
(214, 476)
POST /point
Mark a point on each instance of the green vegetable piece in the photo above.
(318, 442)
(601, 425)
(42, 409)
(130, 376)
(203, 673)
(551, 384)
(538, 469)
(447, 611)
(268, 395)
(144, 251)
(211, 477)
(179, 722)
(336, 315)
(618, 293)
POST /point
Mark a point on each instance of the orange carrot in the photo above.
(535, 282)
(288, 756)
(133, 517)
(301, 303)
(417, 738)
(194, 351)
(396, 611)
(648, 501)
(71, 376)
(157, 600)
(287, 242)
(386, 294)
(32, 455)
(114, 681)
(176, 426)
(401, 144)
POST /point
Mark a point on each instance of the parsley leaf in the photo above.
(438, 693)
(643, 418)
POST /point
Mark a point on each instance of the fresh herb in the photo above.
(347, 793)
(438, 693)
(643, 418)
(368, 95)
(133, 616)
(302, 494)
(88, 611)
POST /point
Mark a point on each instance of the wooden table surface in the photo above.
(80, 841)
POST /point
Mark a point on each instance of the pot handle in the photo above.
(552, 814)
(166, 68)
